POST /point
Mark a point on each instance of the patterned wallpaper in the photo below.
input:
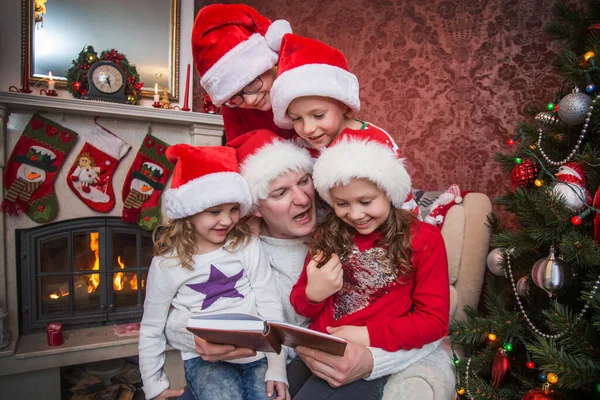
(449, 80)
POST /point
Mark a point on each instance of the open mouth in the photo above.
(302, 217)
(222, 231)
(362, 224)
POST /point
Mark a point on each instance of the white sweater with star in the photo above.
(221, 281)
(286, 257)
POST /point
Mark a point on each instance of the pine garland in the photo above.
(77, 75)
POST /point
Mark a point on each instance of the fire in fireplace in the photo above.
(82, 272)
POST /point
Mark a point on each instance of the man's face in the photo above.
(289, 211)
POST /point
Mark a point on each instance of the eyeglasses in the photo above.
(251, 88)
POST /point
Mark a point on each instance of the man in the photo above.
(278, 175)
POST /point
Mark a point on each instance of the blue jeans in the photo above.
(223, 380)
(306, 386)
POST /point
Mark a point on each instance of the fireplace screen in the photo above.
(83, 272)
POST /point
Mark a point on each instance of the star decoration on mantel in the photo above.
(218, 285)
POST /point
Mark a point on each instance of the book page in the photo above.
(231, 321)
(307, 330)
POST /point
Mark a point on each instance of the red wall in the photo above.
(449, 80)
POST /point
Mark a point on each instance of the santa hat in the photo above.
(264, 156)
(572, 168)
(204, 177)
(308, 67)
(232, 44)
(358, 155)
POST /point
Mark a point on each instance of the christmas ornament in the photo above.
(552, 378)
(208, 106)
(500, 367)
(440, 206)
(90, 177)
(570, 185)
(548, 118)
(495, 259)
(573, 108)
(551, 274)
(523, 286)
(492, 337)
(32, 168)
(145, 181)
(540, 394)
(524, 174)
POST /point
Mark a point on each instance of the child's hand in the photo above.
(356, 334)
(169, 393)
(281, 388)
(324, 281)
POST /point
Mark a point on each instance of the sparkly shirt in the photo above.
(399, 313)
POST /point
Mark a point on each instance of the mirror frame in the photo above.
(27, 27)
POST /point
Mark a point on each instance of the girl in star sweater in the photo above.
(206, 262)
(390, 289)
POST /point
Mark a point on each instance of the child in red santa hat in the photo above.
(235, 51)
(207, 262)
(315, 94)
(391, 289)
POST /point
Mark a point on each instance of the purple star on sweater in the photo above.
(218, 285)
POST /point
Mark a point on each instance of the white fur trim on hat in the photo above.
(275, 33)
(237, 68)
(271, 161)
(208, 191)
(349, 159)
(312, 80)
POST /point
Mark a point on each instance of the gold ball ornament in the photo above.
(552, 378)
(492, 337)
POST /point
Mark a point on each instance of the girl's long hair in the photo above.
(335, 236)
(176, 239)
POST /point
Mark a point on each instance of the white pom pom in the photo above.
(458, 199)
(275, 33)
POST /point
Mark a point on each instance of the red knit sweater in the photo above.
(397, 315)
(238, 121)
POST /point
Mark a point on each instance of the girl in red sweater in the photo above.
(390, 289)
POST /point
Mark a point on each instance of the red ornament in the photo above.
(208, 106)
(596, 205)
(540, 394)
(530, 364)
(524, 174)
(576, 220)
(500, 367)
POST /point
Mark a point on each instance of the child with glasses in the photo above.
(315, 94)
(235, 51)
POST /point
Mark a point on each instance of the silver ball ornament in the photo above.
(523, 286)
(573, 108)
(495, 260)
(551, 274)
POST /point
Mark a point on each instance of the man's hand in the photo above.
(213, 352)
(169, 393)
(281, 388)
(355, 364)
(356, 334)
(325, 281)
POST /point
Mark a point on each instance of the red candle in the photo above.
(187, 90)
(54, 334)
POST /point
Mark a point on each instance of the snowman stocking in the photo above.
(32, 167)
(91, 175)
(144, 184)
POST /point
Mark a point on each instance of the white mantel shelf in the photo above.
(22, 101)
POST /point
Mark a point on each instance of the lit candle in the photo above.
(50, 82)
(156, 96)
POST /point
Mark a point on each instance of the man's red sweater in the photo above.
(399, 313)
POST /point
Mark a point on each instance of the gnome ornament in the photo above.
(440, 206)
(571, 187)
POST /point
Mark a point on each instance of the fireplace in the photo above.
(82, 272)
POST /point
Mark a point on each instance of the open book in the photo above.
(245, 330)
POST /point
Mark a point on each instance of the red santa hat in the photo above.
(360, 155)
(204, 177)
(232, 44)
(308, 67)
(264, 156)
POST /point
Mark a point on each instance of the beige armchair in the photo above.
(467, 243)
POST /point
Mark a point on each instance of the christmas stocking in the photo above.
(144, 184)
(32, 167)
(91, 175)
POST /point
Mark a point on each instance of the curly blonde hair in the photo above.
(335, 236)
(176, 239)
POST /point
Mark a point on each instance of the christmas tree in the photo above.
(537, 333)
